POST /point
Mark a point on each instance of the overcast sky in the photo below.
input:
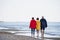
(23, 10)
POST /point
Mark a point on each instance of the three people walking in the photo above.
(38, 25)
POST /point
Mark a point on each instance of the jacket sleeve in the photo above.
(40, 23)
(46, 23)
(30, 25)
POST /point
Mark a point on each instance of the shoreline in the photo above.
(25, 33)
(11, 36)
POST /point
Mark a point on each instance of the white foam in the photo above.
(29, 34)
(3, 28)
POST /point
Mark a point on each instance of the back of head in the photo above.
(42, 17)
(37, 18)
(32, 18)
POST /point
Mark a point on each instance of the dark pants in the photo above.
(32, 31)
(42, 28)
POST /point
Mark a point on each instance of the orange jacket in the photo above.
(38, 25)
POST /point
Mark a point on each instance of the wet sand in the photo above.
(10, 36)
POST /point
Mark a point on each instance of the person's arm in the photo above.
(46, 23)
(40, 23)
(30, 25)
(35, 24)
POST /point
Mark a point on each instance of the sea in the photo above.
(22, 28)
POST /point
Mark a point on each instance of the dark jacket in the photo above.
(43, 23)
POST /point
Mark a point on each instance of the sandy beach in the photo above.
(10, 36)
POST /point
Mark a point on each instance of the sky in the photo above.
(24, 10)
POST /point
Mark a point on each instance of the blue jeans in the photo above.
(32, 31)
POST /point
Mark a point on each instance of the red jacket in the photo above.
(33, 24)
